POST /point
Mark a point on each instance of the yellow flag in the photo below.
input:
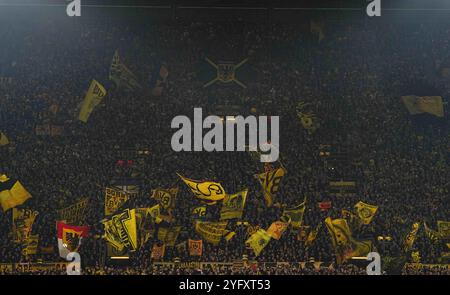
(411, 237)
(94, 96)
(295, 215)
(22, 221)
(270, 182)
(365, 211)
(115, 198)
(312, 235)
(3, 139)
(233, 206)
(425, 104)
(258, 241)
(165, 197)
(12, 193)
(120, 230)
(444, 229)
(169, 235)
(205, 190)
(211, 231)
(343, 242)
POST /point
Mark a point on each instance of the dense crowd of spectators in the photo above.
(352, 81)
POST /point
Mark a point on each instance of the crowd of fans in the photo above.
(352, 80)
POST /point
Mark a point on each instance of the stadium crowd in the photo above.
(352, 80)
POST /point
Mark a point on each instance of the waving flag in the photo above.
(12, 193)
(205, 190)
(69, 237)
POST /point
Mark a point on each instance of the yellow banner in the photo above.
(93, 97)
(74, 214)
(233, 206)
(22, 223)
(205, 190)
(120, 230)
(115, 198)
(211, 231)
(270, 182)
(258, 241)
(165, 197)
(365, 211)
(12, 193)
(425, 104)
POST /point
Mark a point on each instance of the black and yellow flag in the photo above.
(432, 235)
(270, 182)
(12, 193)
(344, 244)
(165, 197)
(295, 214)
(115, 198)
(121, 75)
(74, 214)
(120, 230)
(258, 241)
(411, 237)
(169, 235)
(426, 104)
(22, 223)
(3, 139)
(93, 97)
(207, 191)
(233, 206)
(210, 231)
(199, 212)
(312, 235)
(365, 211)
(444, 229)
(31, 245)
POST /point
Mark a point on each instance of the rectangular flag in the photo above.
(165, 197)
(115, 198)
(158, 251)
(426, 104)
(22, 223)
(294, 215)
(69, 237)
(365, 212)
(258, 241)
(233, 205)
(195, 247)
(169, 235)
(12, 193)
(93, 97)
(210, 231)
(276, 229)
(207, 191)
(270, 182)
(74, 214)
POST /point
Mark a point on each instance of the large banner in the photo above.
(233, 206)
(211, 231)
(22, 223)
(74, 214)
(120, 231)
(426, 104)
(115, 198)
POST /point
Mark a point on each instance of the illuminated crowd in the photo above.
(352, 79)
